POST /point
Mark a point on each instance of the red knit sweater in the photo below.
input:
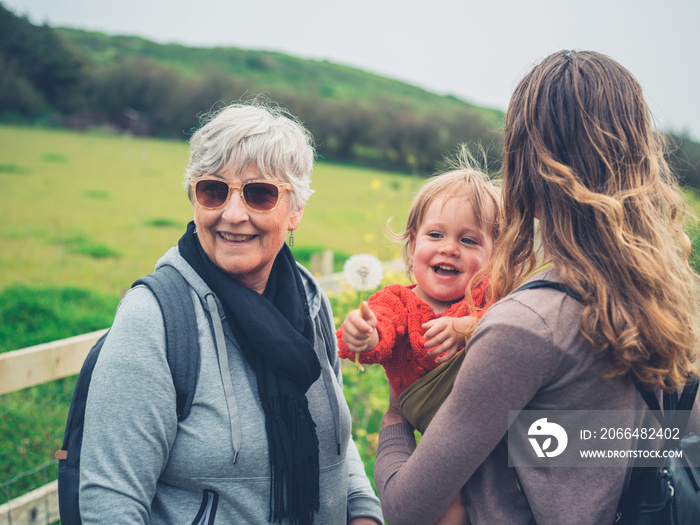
(401, 348)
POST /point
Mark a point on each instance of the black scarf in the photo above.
(276, 335)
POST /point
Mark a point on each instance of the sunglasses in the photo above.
(260, 196)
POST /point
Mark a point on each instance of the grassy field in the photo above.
(84, 215)
(97, 212)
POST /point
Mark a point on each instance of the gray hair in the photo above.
(254, 134)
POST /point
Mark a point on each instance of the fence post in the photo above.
(322, 263)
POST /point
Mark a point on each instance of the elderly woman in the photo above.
(267, 439)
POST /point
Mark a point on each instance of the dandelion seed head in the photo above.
(363, 271)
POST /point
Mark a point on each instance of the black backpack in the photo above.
(182, 344)
(668, 494)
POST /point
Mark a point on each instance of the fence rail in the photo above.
(29, 367)
(37, 506)
(43, 363)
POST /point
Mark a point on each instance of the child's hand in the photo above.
(360, 333)
(443, 336)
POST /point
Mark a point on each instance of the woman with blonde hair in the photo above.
(582, 158)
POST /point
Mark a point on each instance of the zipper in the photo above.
(207, 511)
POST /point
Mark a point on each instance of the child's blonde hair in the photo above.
(462, 181)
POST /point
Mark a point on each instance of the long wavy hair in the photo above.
(581, 154)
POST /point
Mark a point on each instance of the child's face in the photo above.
(448, 248)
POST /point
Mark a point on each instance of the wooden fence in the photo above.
(29, 367)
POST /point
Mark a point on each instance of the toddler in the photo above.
(412, 330)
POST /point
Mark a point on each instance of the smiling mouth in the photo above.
(236, 237)
(446, 271)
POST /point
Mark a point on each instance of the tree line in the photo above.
(45, 79)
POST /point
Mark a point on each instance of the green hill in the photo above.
(271, 71)
(355, 116)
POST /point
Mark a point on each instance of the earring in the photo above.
(291, 237)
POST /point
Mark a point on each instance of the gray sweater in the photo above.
(139, 465)
(527, 353)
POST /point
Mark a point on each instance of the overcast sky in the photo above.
(476, 50)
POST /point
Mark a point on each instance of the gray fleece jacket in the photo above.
(139, 465)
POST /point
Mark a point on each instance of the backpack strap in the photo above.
(328, 333)
(181, 337)
(549, 284)
(685, 405)
(676, 412)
